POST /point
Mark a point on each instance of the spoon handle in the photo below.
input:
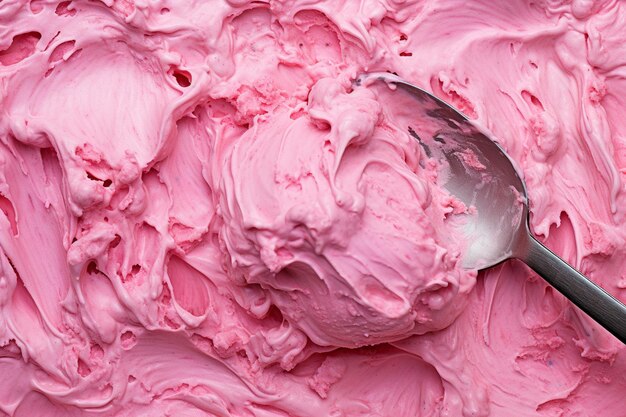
(589, 297)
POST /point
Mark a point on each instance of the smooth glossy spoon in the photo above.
(482, 175)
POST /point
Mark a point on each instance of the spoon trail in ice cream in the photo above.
(480, 174)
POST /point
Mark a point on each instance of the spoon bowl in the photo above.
(479, 173)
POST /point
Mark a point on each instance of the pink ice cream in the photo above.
(203, 216)
(328, 210)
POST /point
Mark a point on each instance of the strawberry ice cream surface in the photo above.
(203, 215)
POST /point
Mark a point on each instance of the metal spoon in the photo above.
(482, 175)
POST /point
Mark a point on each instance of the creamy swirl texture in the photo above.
(201, 215)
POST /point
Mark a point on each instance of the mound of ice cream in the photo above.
(201, 215)
(322, 209)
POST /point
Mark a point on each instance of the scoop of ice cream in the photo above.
(327, 208)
